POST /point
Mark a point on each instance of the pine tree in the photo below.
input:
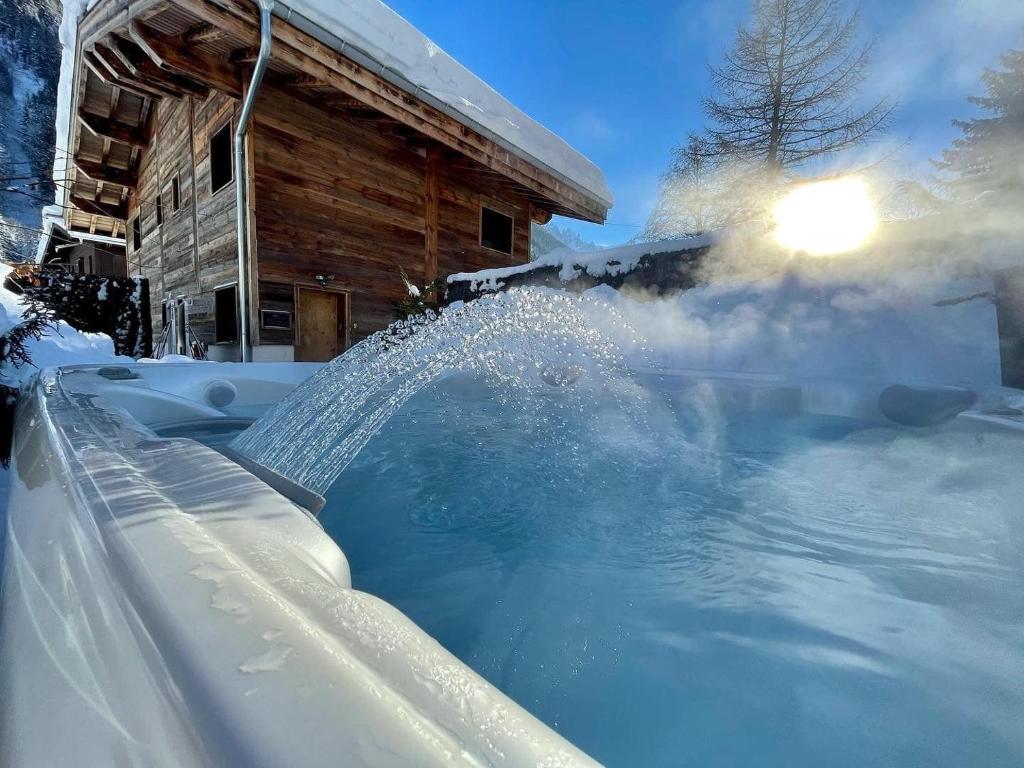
(785, 92)
(38, 136)
(989, 156)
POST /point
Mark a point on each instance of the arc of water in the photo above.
(315, 432)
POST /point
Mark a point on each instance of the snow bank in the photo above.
(61, 346)
(381, 34)
(608, 261)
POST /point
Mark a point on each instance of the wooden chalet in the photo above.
(356, 171)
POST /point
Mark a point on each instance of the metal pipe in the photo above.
(242, 181)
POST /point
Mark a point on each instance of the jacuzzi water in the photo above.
(703, 587)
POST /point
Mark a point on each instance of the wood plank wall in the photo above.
(332, 196)
(337, 196)
(168, 256)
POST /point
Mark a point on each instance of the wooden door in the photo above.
(318, 325)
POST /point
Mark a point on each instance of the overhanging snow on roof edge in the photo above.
(405, 56)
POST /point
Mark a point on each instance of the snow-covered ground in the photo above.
(62, 345)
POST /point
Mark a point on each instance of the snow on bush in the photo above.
(60, 345)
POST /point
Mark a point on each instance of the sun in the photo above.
(824, 218)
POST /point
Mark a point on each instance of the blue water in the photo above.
(707, 588)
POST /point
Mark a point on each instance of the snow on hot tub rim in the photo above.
(246, 600)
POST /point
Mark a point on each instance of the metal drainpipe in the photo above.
(242, 181)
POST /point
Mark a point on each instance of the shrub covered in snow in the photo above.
(31, 338)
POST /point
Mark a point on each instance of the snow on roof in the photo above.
(385, 37)
(67, 33)
(607, 261)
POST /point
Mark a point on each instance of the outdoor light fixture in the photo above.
(824, 218)
(323, 280)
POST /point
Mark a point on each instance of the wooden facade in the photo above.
(352, 182)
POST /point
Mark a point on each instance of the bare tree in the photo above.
(785, 92)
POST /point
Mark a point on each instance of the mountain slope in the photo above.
(29, 67)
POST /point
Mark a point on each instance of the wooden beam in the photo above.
(103, 72)
(170, 55)
(540, 215)
(202, 33)
(124, 177)
(431, 197)
(106, 128)
(306, 81)
(245, 55)
(103, 209)
(145, 69)
(303, 52)
(120, 73)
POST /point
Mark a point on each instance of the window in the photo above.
(495, 230)
(225, 320)
(175, 194)
(277, 320)
(159, 210)
(137, 233)
(220, 158)
(163, 314)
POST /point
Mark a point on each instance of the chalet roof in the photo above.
(356, 58)
(411, 60)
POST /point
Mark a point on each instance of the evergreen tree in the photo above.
(989, 156)
(38, 138)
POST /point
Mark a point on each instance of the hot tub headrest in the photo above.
(917, 406)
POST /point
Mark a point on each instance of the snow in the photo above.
(68, 33)
(607, 261)
(171, 359)
(389, 40)
(73, 10)
(62, 346)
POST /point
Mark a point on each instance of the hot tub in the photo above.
(706, 569)
(162, 606)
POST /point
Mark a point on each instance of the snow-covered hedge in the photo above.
(33, 335)
(115, 306)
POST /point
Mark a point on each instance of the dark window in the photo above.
(495, 230)
(220, 159)
(273, 319)
(175, 194)
(225, 320)
(159, 210)
(137, 233)
(163, 314)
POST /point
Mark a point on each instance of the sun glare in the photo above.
(824, 218)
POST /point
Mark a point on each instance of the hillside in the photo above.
(29, 67)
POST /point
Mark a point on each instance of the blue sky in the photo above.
(622, 81)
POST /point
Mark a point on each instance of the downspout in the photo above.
(242, 181)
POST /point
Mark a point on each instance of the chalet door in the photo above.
(319, 324)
